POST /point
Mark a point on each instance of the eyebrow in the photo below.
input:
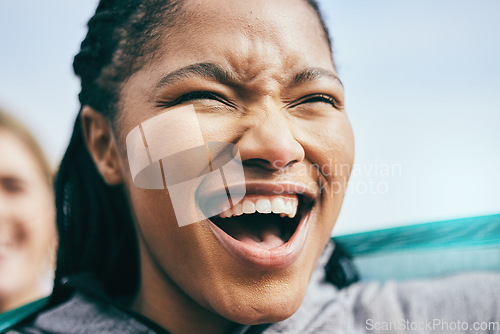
(205, 70)
(315, 73)
(216, 72)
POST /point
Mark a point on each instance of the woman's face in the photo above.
(260, 76)
(27, 224)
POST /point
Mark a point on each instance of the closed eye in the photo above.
(12, 185)
(317, 98)
(196, 96)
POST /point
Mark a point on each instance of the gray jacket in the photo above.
(464, 303)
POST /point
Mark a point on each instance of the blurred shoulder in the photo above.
(81, 314)
(469, 297)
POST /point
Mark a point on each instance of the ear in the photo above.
(102, 145)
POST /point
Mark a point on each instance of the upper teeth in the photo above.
(283, 205)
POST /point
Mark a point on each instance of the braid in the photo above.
(120, 40)
(94, 220)
(96, 230)
(96, 53)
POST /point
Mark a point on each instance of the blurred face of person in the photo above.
(27, 224)
(260, 76)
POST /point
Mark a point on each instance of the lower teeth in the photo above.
(268, 231)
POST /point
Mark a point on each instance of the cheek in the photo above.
(33, 215)
(330, 147)
(152, 209)
(32, 233)
(157, 227)
(162, 241)
(186, 255)
(220, 128)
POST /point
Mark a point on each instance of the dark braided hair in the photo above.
(96, 230)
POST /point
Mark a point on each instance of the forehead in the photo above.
(272, 18)
(245, 25)
(260, 43)
(246, 36)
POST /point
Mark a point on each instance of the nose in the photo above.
(270, 144)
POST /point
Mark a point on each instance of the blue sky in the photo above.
(422, 84)
(423, 91)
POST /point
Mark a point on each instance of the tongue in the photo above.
(268, 240)
(261, 230)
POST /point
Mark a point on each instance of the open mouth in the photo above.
(267, 228)
(264, 221)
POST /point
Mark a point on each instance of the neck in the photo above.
(163, 302)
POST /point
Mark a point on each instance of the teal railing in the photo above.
(426, 250)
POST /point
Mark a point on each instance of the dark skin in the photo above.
(281, 103)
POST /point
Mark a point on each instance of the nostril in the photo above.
(280, 164)
(261, 163)
(265, 164)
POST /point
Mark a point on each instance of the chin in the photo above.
(270, 301)
(263, 310)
